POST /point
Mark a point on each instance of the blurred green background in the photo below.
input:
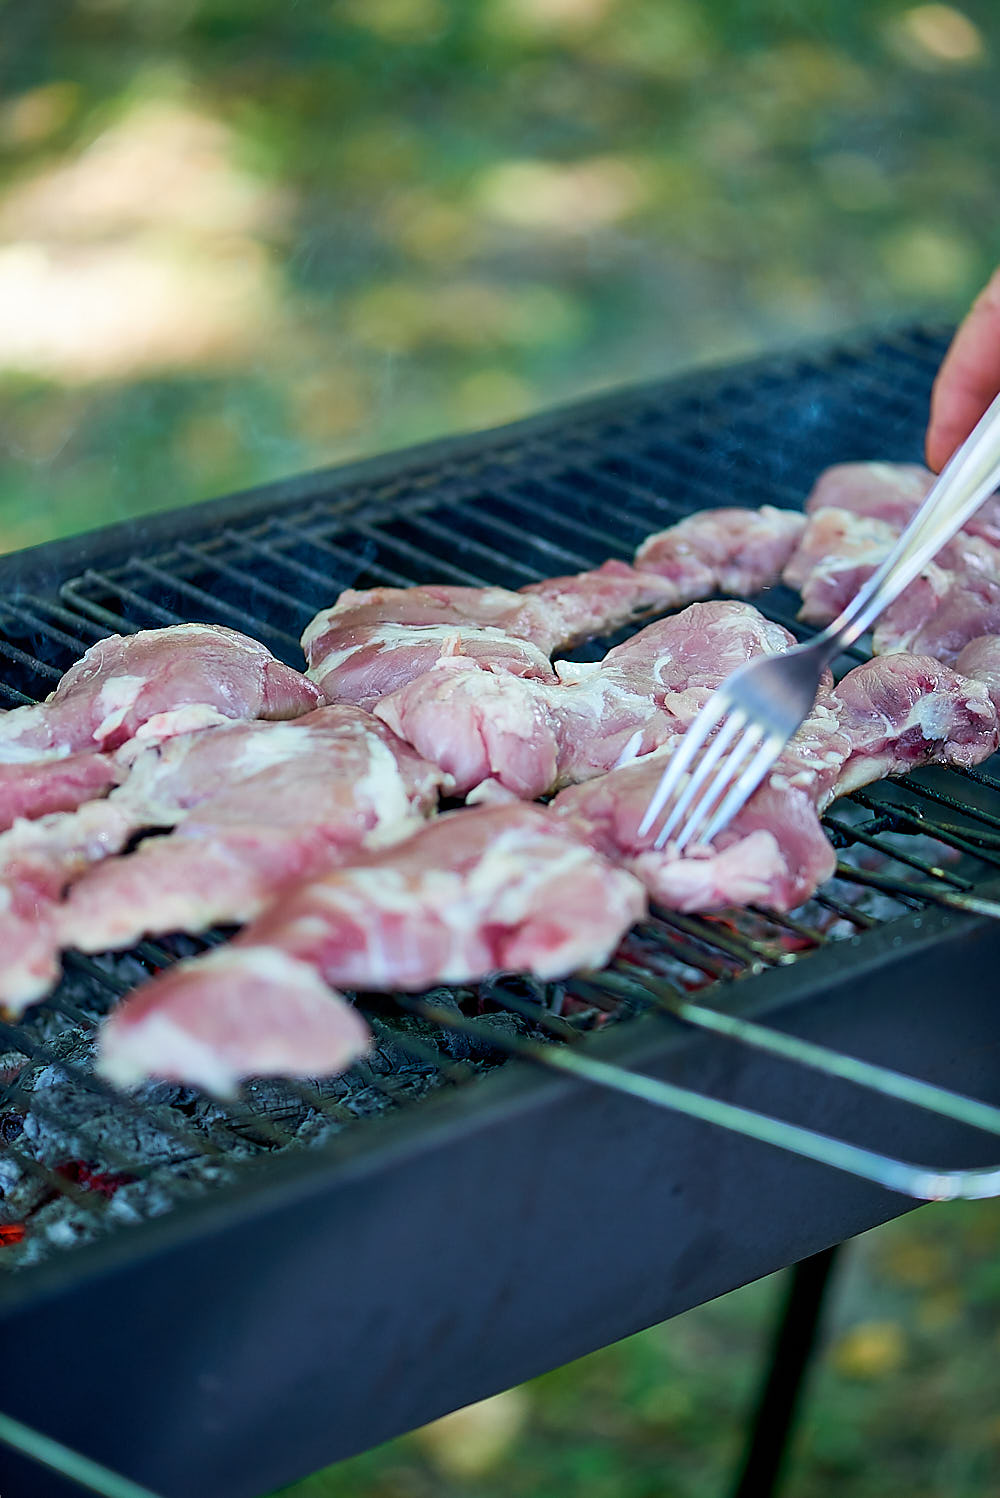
(239, 238)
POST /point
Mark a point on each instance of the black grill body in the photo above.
(316, 1301)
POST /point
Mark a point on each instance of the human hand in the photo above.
(968, 379)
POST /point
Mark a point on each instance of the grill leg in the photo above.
(791, 1348)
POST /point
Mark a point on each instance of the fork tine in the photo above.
(678, 762)
(735, 762)
(744, 787)
(716, 749)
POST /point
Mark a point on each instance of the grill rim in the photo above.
(646, 1043)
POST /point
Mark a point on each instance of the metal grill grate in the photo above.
(81, 1160)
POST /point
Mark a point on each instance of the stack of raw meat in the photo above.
(183, 778)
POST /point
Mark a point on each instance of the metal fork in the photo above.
(762, 704)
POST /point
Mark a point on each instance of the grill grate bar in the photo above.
(441, 533)
(71, 594)
(243, 618)
(246, 579)
(20, 657)
(431, 564)
(355, 565)
(563, 558)
(854, 833)
(34, 619)
(916, 821)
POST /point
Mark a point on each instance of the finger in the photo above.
(968, 379)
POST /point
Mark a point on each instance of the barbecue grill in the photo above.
(218, 1298)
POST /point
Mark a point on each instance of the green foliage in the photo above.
(433, 215)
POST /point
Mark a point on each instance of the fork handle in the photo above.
(969, 476)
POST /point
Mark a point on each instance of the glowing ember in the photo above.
(106, 1183)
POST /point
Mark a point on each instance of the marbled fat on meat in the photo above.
(232, 1014)
(726, 551)
(474, 892)
(35, 788)
(374, 642)
(148, 683)
(886, 717)
(267, 814)
(900, 711)
(534, 736)
(856, 511)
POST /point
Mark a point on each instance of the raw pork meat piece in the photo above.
(232, 1014)
(775, 852)
(532, 736)
(256, 804)
(123, 681)
(980, 659)
(474, 892)
(586, 604)
(153, 683)
(476, 724)
(837, 553)
(892, 492)
(37, 860)
(940, 614)
(900, 711)
(34, 787)
(886, 717)
(723, 551)
(370, 644)
(856, 510)
(286, 804)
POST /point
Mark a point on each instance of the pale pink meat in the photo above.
(900, 711)
(774, 853)
(361, 663)
(287, 802)
(729, 550)
(503, 888)
(37, 860)
(34, 788)
(477, 724)
(374, 642)
(940, 614)
(980, 659)
(533, 736)
(886, 717)
(586, 604)
(228, 1015)
(837, 553)
(123, 681)
(151, 683)
(856, 510)
(890, 492)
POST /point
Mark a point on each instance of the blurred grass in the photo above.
(239, 237)
(244, 237)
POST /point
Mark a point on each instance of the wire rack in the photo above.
(82, 1160)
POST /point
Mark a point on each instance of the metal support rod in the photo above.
(68, 1463)
(777, 1403)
